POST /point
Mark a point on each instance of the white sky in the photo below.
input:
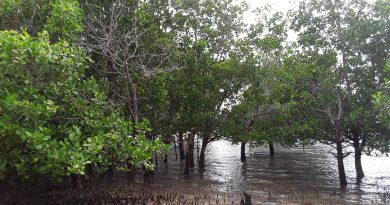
(277, 6)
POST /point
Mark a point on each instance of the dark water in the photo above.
(291, 171)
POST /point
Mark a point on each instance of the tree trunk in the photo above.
(166, 158)
(127, 109)
(190, 152)
(243, 156)
(191, 156)
(191, 145)
(358, 164)
(175, 149)
(135, 103)
(181, 148)
(358, 147)
(187, 165)
(271, 149)
(131, 93)
(202, 153)
(167, 142)
(197, 149)
(340, 164)
(111, 80)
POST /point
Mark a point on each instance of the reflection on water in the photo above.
(290, 171)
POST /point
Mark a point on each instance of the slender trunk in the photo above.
(187, 165)
(271, 149)
(358, 164)
(191, 155)
(127, 110)
(190, 152)
(131, 94)
(337, 136)
(135, 103)
(340, 164)
(111, 80)
(202, 153)
(181, 147)
(341, 40)
(167, 142)
(175, 149)
(358, 147)
(243, 156)
(197, 149)
(166, 158)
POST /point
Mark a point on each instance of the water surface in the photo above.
(290, 171)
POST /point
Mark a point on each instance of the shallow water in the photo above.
(290, 171)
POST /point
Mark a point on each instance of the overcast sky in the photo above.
(277, 6)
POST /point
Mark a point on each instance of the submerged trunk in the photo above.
(175, 150)
(189, 152)
(358, 163)
(197, 149)
(271, 149)
(336, 119)
(166, 158)
(189, 158)
(181, 147)
(243, 156)
(167, 142)
(187, 165)
(340, 164)
(205, 141)
(358, 147)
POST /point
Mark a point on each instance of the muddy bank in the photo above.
(141, 194)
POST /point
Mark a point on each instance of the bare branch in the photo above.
(116, 33)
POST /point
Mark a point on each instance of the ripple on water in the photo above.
(312, 169)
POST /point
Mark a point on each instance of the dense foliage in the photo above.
(87, 86)
(55, 119)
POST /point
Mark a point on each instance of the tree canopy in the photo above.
(87, 86)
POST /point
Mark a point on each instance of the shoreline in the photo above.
(141, 194)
